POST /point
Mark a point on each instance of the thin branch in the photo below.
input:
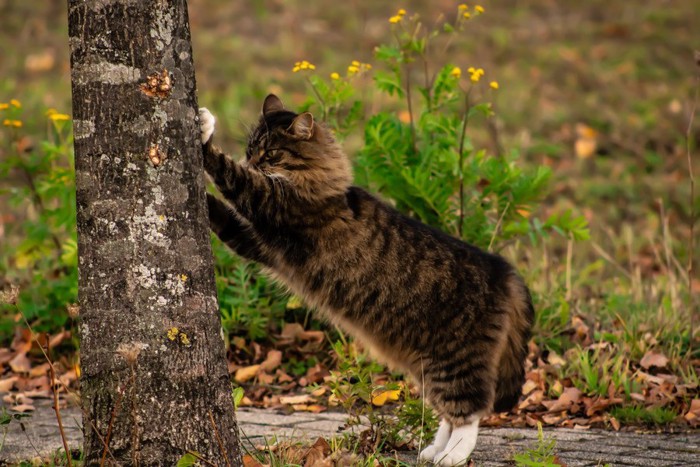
(115, 409)
(56, 408)
(692, 203)
(461, 161)
(407, 68)
(218, 439)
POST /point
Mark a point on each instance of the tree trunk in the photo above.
(155, 383)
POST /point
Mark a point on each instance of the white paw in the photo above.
(206, 124)
(450, 460)
(441, 438)
(428, 454)
(460, 446)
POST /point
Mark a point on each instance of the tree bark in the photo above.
(155, 381)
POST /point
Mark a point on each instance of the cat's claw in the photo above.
(207, 122)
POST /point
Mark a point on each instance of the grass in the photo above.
(651, 416)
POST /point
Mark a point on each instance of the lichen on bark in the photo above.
(144, 254)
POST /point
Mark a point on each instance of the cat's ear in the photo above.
(272, 104)
(302, 126)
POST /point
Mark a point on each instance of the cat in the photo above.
(453, 317)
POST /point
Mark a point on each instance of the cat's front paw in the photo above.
(207, 122)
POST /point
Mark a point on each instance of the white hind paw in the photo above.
(207, 122)
(460, 446)
(450, 460)
(428, 454)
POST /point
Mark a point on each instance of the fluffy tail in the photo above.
(511, 367)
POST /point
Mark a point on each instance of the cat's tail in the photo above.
(511, 368)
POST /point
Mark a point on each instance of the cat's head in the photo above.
(298, 150)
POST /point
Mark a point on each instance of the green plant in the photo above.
(423, 157)
(652, 416)
(42, 253)
(248, 300)
(406, 423)
(541, 455)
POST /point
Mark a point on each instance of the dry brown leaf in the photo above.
(651, 359)
(6, 355)
(615, 423)
(301, 399)
(8, 383)
(529, 386)
(266, 378)
(313, 336)
(39, 370)
(20, 364)
(23, 408)
(273, 360)
(291, 330)
(693, 414)
(569, 397)
(555, 359)
(250, 461)
(313, 408)
(246, 373)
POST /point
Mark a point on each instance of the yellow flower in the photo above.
(16, 124)
(479, 9)
(471, 69)
(494, 84)
(51, 111)
(352, 69)
(57, 117)
(456, 72)
(4, 105)
(395, 19)
(463, 7)
(401, 12)
(480, 71)
(7, 122)
(355, 63)
(16, 103)
(335, 75)
(475, 76)
(303, 65)
(466, 15)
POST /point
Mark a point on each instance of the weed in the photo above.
(651, 416)
(541, 455)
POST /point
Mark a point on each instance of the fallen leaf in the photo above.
(39, 370)
(291, 330)
(693, 414)
(272, 361)
(529, 386)
(301, 399)
(246, 373)
(7, 383)
(651, 359)
(569, 397)
(313, 408)
(250, 461)
(555, 359)
(382, 396)
(615, 423)
(23, 408)
(20, 364)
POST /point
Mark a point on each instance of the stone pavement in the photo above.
(495, 446)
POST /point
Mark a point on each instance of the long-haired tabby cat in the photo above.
(455, 318)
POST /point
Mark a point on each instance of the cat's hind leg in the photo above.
(460, 445)
(441, 438)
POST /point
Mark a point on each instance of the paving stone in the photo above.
(495, 446)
